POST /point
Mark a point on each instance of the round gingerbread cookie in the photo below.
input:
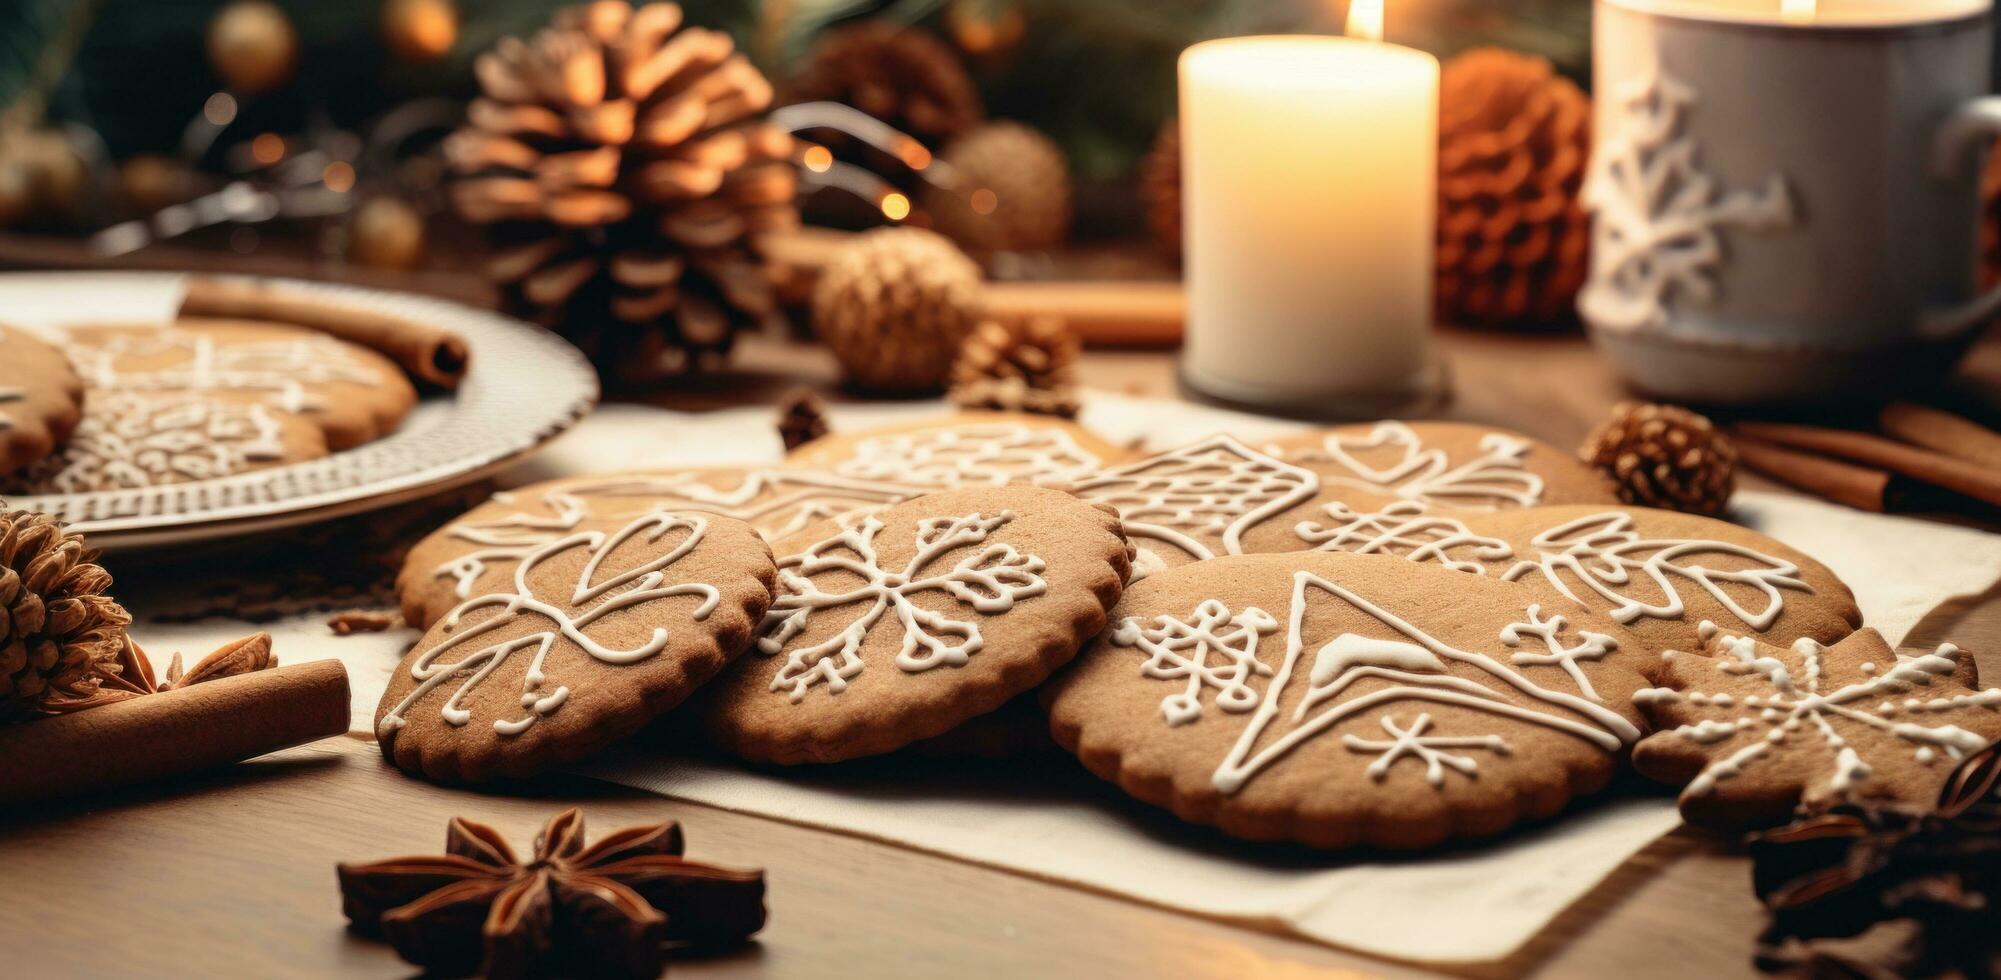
(970, 449)
(601, 631)
(478, 551)
(353, 394)
(896, 626)
(1341, 700)
(41, 399)
(1448, 464)
(136, 439)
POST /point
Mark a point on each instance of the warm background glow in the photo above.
(1365, 19)
(1797, 11)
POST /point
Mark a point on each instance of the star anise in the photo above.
(134, 672)
(1840, 872)
(604, 910)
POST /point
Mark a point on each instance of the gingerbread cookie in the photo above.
(479, 550)
(133, 440)
(1342, 700)
(41, 399)
(1753, 730)
(352, 393)
(601, 631)
(971, 449)
(896, 626)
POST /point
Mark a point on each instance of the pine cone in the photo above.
(1010, 190)
(1664, 456)
(1990, 220)
(900, 75)
(60, 631)
(894, 307)
(1513, 141)
(802, 418)
(1019, 366)
(623, 166)
(1160, 186)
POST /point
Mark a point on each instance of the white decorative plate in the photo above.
(522, 388)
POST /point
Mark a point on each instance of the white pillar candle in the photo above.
(1309, 188)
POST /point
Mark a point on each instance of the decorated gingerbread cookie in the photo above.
(600, 632)
(1443, 464)
(1753, 730)
(134, 439)
(1342, 700)
(41, 399)
(353, 394)
(478, 551)
(896, 626)
(972, 449)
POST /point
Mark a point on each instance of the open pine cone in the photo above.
(1011, 190)
(1514, 138)
(1664, 456)
(894, 306)
(60, 631)
(1019, 366)
(1160, 186)
(623, 168)
(900, 75)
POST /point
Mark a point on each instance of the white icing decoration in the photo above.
(127, 441)
(1659, 217)
(641, 584)
(1216, 489)
(1416, 666)
(1799, 703)
(1589, 646)
(1414, 743)
(279, 368)
(990, 580)
(1405, 529)
(992, 454)
(1603, 552)
(1494, 479)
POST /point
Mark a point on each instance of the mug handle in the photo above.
(1974, 123)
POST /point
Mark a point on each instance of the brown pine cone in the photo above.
(802, 418)
(1990, 220)
(60, 630)
(1160, 186)
(1664, 456)
(900, 75)
(1019, 366)
(1010, 190)
(894, 306)
(623, 167)
(1513, 141)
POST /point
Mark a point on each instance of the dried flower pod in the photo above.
(1019, 366)
(1010, 191)
(1514, 138)
(802, 418)
(894, 306)
(61, 631)
(900, 75)
(1664, 456)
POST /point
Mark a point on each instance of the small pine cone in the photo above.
(60, 631)
(1664, 456)
(1019, 366)
(802, 418)
(1514, 242)
(1010, 190)
(1990, 220)
(1160, 186)
(894, 306)
(900, 75)
(622, 167)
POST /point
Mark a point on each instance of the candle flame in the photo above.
(1365, 19)
(1798, 11)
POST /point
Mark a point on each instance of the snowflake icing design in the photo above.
(1429, 749)
(1201, 498)
(990, 578)
(1761, 695)
(1497, 478)
(569, 621)
(1352, 674)
(970, 456)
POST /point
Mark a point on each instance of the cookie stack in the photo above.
(1388, 635)
(124, 407)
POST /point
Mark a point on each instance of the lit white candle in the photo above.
(1309, 184)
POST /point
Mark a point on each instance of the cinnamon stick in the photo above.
(1943, 432)
(429, 352)
(1831, 479)
(173, 732)
(1103, 314)
(1923, 465)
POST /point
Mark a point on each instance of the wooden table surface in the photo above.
(231, 873)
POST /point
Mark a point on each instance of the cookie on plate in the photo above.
(971, 449)
(130, 440)
(41, 399)
(353, 394)
(601, 631)
(898, 625)
(1753, 730)
(1341, 700)
(478, 551)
